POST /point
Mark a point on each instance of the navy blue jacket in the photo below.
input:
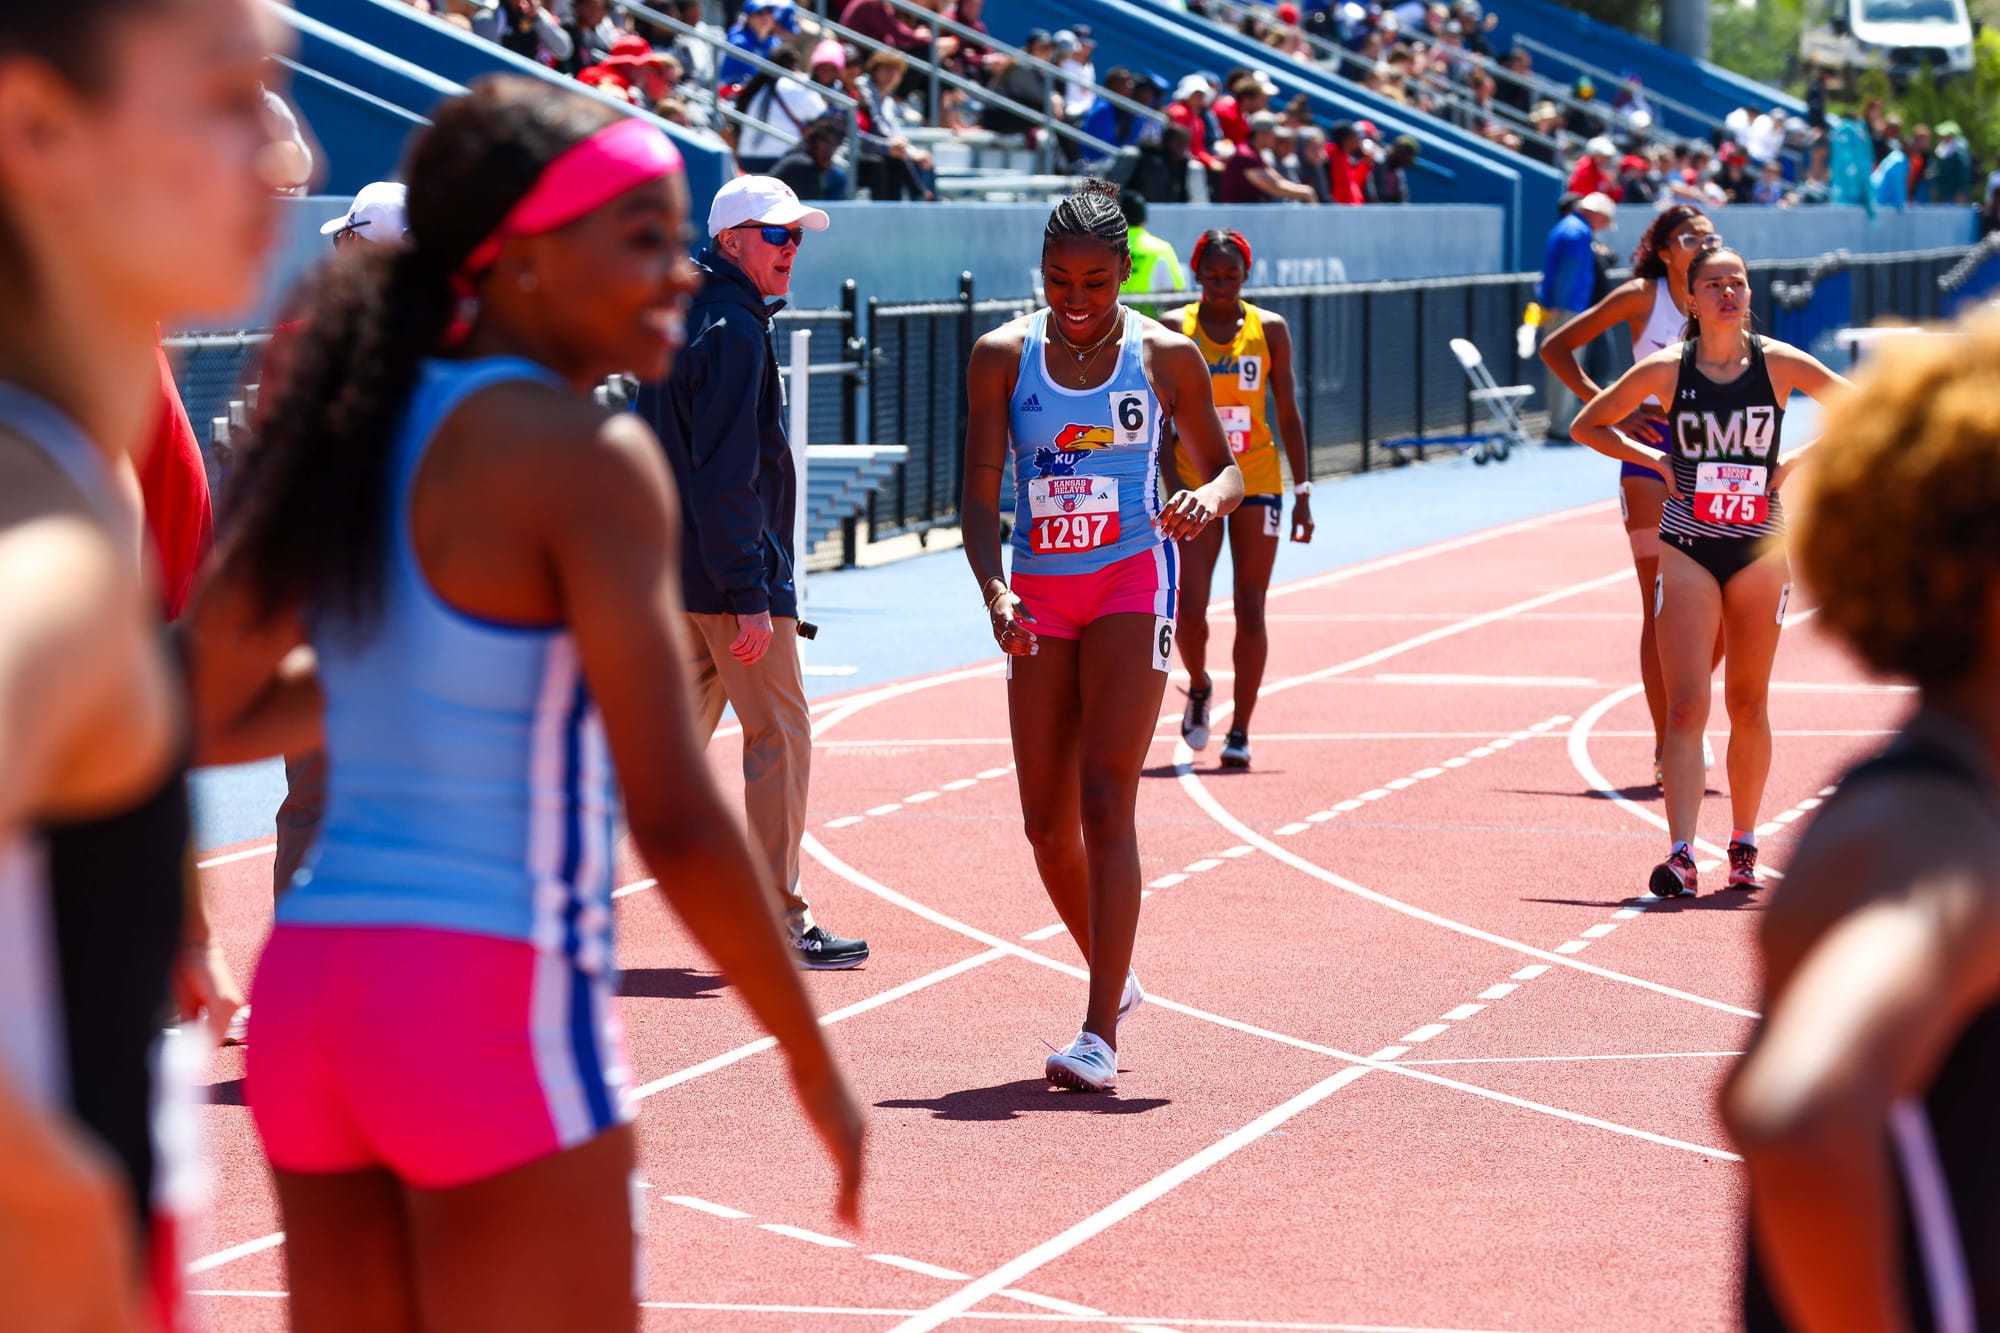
(721, 416)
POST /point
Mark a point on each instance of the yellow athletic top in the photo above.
(1238, 371)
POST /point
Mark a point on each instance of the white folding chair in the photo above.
(1500, 403)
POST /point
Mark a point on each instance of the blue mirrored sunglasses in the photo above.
(778, 236)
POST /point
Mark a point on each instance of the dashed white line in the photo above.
(920, 797)
(1389, 1052)
(1572, 946)
(1499, 992)
(1240, 849)
(1344, 806)
(959, 784)
(1424, 1033)
(1287, 830)
(704, 1206)
(845, 821)
(919, 1266)
(1627, 913)
(1321, 816)
(1460, 1014)
(1046, 932)
(1531, 971)
(235, 1252)
(987, 773)
(1600, 930)
(889, 808)
(1375, 795)
(1426, 774)
(1167, 881)
(1398, 784)
(1479, 753)
(1456, 761)
(1051, 1303)
(810, 1237)
(1206, 863)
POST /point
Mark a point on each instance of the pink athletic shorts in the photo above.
(442, 1056)
(1062, 604)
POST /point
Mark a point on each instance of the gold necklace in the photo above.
(1082, 370)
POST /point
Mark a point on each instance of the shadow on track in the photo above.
(1639, 795)
(1008, 1101)
(1717, 900)
(669, 983)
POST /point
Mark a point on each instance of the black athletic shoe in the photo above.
(1236, 750)
(1675, 877)
(823, 951)
(1194, 722)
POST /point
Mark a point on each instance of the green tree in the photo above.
(1759, 41)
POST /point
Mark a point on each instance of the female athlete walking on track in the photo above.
(1652, 304)
(130, 140)
(1249, 356)
(483, 564)
(1722, 555)
(1864, 1109)
(1079, 392)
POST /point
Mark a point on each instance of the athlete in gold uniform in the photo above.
(1249, 355)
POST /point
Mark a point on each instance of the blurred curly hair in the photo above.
(1898, 532)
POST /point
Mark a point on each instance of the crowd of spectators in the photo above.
(832, 117)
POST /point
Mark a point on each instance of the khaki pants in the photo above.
(1562, 404)
(769, 697)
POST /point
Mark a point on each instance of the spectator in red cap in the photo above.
(1597, 170)
(1248, 94)
(1288, 13)
(1189, 110)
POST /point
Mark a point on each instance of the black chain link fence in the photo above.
(1373, 360)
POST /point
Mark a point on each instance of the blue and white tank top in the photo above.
(1086, 461)
(470, 787)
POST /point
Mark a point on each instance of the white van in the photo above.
(1899, 36)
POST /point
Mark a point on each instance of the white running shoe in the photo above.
(239, 1028)
(1132, 998)
(1194, 722)
(1707, 755)
(1087, 1066)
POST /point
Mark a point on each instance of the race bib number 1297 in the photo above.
(1069, 514)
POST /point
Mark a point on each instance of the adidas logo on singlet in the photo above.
(1034, 404)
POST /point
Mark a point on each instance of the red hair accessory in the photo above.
(1235, 237)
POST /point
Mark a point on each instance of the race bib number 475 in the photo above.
(1732, 493)
(1072, 513)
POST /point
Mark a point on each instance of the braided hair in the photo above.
(1091, 212)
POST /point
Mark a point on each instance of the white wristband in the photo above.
(1303, 488)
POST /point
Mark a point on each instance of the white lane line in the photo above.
(1627, 913)
(636, 886)
(1147, 1328)
(1321, 816)
(920, 797)
(1457, 761)
(1600, 930)
(919, 1266)
(1504, 743)
(1375, 795)
(1046, 932)
(235, 1252)
(1441, 678)
(985, 774)
(845, 821)
(1530, 972)
(1790, 815)
(1460, 1014)
(959, 784)
(1167, 881)
(1344, 806)
(810, 1237)
(1572, 946)
(751, 1048)
(814, 848)
(1051, 1303)
(246, 854)
(1287, 830)
(889, 808)
(1424, 1034)
(1238, 850)
(704, 1206)
(1005, 1276)
(1499, 992)
(1207, 863)
(1570, 1059)
(1398, 784)
(1426, 774)
(1389, 1053)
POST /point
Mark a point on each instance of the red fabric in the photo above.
(174, 483)
(1588, 179)
(1181, 114)
(874, 18)
(1235, 125)
(1345, 177)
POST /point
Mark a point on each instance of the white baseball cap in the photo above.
(762, 199)
(1599, 203)
(380, 213)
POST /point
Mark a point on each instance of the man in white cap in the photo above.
(1073, 59)
(720, 414)
(1569, 271)
(380, 213)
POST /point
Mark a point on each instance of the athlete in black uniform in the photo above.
(162, 98)
(1722, 558)
(1867, 1105)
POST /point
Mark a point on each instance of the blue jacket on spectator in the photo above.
(1117, 128)
(721, 415)
(1891, 181)
(740, 37)
(1568, 269)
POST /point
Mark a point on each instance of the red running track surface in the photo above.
(1420, 1053)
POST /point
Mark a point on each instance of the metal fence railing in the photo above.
(1373, 360)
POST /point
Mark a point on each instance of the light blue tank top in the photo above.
(469, 785)
(1086, 461)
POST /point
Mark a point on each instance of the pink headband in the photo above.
(581, 179)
